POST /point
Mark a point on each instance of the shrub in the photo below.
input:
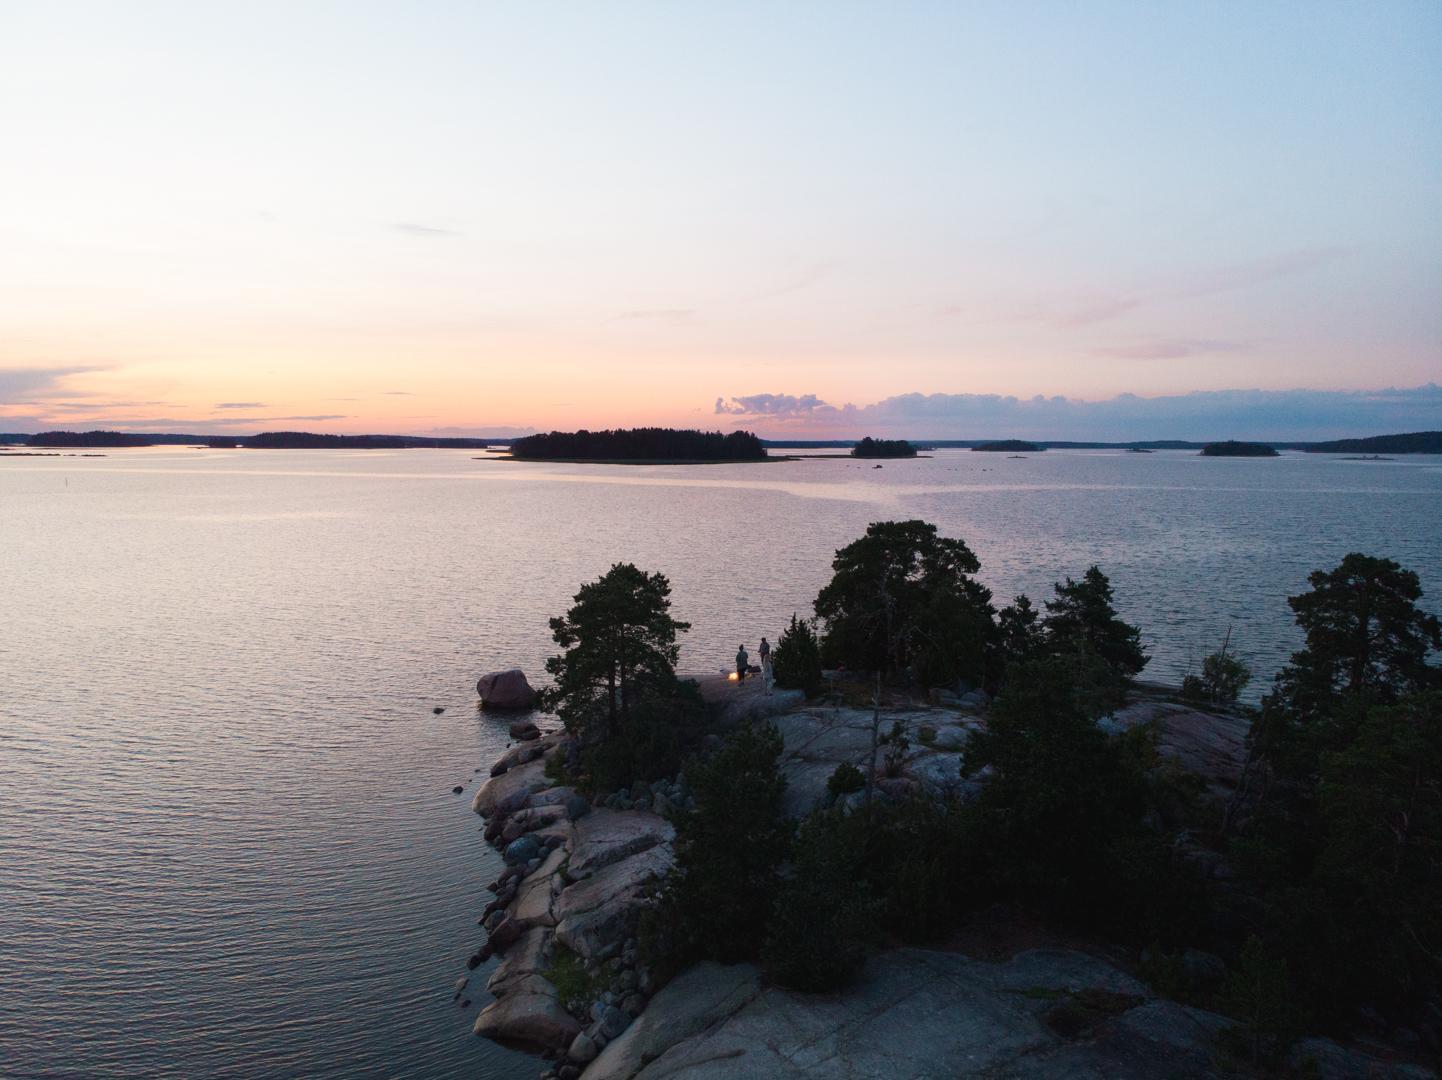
(796, 660)
(727, 851)
(1221, 682)
(846, 780)
(1260, 995)
(824, 912)
(1060, 821)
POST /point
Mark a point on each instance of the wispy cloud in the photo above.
(1246, 275)
(240, 405)
(19, 383)
(1210, 414)
(1167, 349)
(806, 278)
(485, 431)
(396, 393)
(412, 228)
(658, 314)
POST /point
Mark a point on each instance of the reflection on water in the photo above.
(227, 841)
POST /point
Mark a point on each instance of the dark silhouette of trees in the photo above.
(1343, 834)
(1082, 618)
(1232, 448)
(883, 448)
(796, 660)
(641, 444)
(728, 851)
(87, 438)
(615, 685)
(902, 601)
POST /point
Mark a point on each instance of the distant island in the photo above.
(1011, 446)
(651, 446)
(883, 448)
(87, 438)
(1416, 442)
(1232, 448)
(266, 440)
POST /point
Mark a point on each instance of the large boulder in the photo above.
(506, 690)
(508, 792)
(923, 1013)
(530, 1017)
(527, 958)
(595, 916)
(695, 1000)
(1210, 745)
(607, 836)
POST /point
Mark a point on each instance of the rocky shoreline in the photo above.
(571, 987)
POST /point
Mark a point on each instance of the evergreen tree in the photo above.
(620, 642)
(902, 601)
(728, 849)
(796, 660)
(1082, 618)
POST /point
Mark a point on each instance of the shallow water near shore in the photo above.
(228, 842)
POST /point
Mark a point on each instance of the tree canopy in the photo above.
(620, 642)
(1082, 618)
(641, 444)
(902, 601)
(883, 448)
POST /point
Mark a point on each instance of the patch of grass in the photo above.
(558, 774)
(1084, 1011)
(569, 976)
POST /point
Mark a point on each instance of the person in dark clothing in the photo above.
(765, 652)
(742, 663)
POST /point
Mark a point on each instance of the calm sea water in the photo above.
(228, 843)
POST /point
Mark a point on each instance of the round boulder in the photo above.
(506, 690)
(521, 851)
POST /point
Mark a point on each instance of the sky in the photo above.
(1176, 220)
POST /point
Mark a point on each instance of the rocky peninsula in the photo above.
(570, 983)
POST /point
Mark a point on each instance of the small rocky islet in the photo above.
(571, 987)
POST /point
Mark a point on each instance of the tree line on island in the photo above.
(1330, 918)
(1419, 442)
(640, 444)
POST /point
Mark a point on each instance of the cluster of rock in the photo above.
(578, 875)
(663, 797)
(565, 910)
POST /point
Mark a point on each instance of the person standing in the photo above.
(765, 652)
(743, 661)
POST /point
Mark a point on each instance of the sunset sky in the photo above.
(470, 218)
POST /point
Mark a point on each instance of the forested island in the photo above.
(924, 789)
(1417, 442)
(1232, 448)
(88, 438)
(1011, 446)
(883, 448)
(652, 445)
